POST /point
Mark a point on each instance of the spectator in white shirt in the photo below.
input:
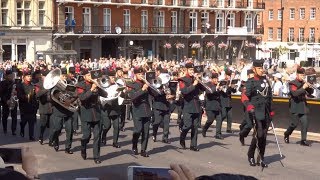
(277, 86)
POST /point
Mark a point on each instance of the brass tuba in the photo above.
(59, 92)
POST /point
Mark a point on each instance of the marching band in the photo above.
(103, 98)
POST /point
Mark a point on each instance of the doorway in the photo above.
(85, 53)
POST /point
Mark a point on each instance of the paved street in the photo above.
(215, 156)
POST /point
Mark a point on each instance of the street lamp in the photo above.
(130, 43)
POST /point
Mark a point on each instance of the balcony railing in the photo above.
(290, 39)
(185, 3)
(62, 29)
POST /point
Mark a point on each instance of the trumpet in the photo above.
(155, 84)
(203, 80)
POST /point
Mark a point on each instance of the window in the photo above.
(174, 21)
(161, 21)
(160, 2)
(126, 17)
(144, 21)
(270, 14)
(107, 20)
(231, 20)
(142, 1)
(302, 13)
(19, 13)
(249, 23)
(175, 2)
(205, 2)
(250, 3)
(292, 54)
(279, 14)
(205, 22)
(219, 22)
(279, 34)
(231, 3)
(291, 35)
(193, 22)
(292, 13)
(86, 12)
(311, 35)
(41, 13)
(194, 3)
(258, 19)
(313, 13)
(27, 12)
(270, 33)
(69, 15)
(220, 3)
(301, 34)
(4, 12)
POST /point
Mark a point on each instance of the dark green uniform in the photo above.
(60, 115)
(141, 113)
(298, 109)
(226, 108)
(257, 99)
(213, 109)
(161, 110)
(28, 107)
(90, 113)
(246, 125)
(111, 115)
(45, 109)
(191, 111)
(5, 95)
(75, 122)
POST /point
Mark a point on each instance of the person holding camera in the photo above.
(257, 98)
(299, 89)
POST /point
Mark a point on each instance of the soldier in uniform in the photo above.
(226, 108)
(9, 106)
(90, 113)
(191, 109)
(299, 89)
(161, 110)
(60, 116)
(246, 125)
(72, 80)
(27, 103)
(141, 111)
(45, 106)
(257, 97)
(213, 105)
(110, 114)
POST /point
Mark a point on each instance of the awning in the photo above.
(58, 52)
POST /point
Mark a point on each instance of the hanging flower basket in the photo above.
(222, 45)
(195, 45)
(179, 45)
(167, 46)
(210, 44)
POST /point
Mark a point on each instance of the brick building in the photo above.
(293, 25)
(96, 28)
(25, 29)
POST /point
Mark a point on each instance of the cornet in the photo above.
(156, 83)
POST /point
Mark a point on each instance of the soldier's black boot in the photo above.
(135, 139)
(68, 151)
(304, 143)
(135, 149)
(97, 161)
(154, 133)
(83, 150)
(241, 138)
(252, 162)
(116, 145)
(194, 148)
(218, 136)
(262, 163)
(22, 132)
(41, 140)
(204, 129)
(286, 137)
(182, 139)
(144, 153)
(103, 137)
